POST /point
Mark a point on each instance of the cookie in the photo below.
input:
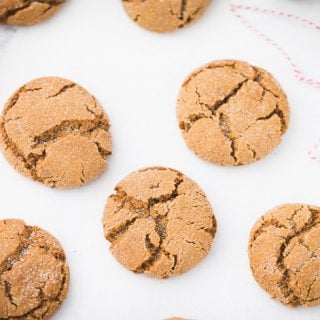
(34, 276)
(159, 222)
(284, 253)
(164, 15)
(55, 132)
(27, 12)
(231, 113)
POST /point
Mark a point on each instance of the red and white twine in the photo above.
(236, 10)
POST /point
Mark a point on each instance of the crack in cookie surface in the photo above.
(33, 272)
(284, 254)
(28, 12)
(164, 16)
(145, 211)
(248, 96)
(52, 117)
(139, 222)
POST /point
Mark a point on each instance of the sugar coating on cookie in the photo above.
(284, 252)
(159, 222)
(34, 276)
(27, 12)
(55, 132)
(232, 113)
(164, 15)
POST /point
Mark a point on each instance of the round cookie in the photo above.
(284, 252)
(232, 113)
(34, 276)
(55, 132)
(159, 222)
(164, 15)
(27, 12)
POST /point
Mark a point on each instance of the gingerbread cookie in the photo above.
(164, 15)
(27, 12)
(232, 113)
(34, 276)
(284, 251)
(55, 132)
(159, 222)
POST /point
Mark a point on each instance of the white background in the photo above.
(136, 76)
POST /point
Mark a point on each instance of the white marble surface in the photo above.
(136, 75)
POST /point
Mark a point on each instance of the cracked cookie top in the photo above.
(34, 276)
(284, 252)
(27, 12)
(159, 222)
(164, 15)
(55, 132)
(232, 113)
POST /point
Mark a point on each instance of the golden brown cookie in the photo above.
(159, 222)
(27, 12)
(55, 132)
(232, 113)
(34, 276)
(284, 251)
(164, 15)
